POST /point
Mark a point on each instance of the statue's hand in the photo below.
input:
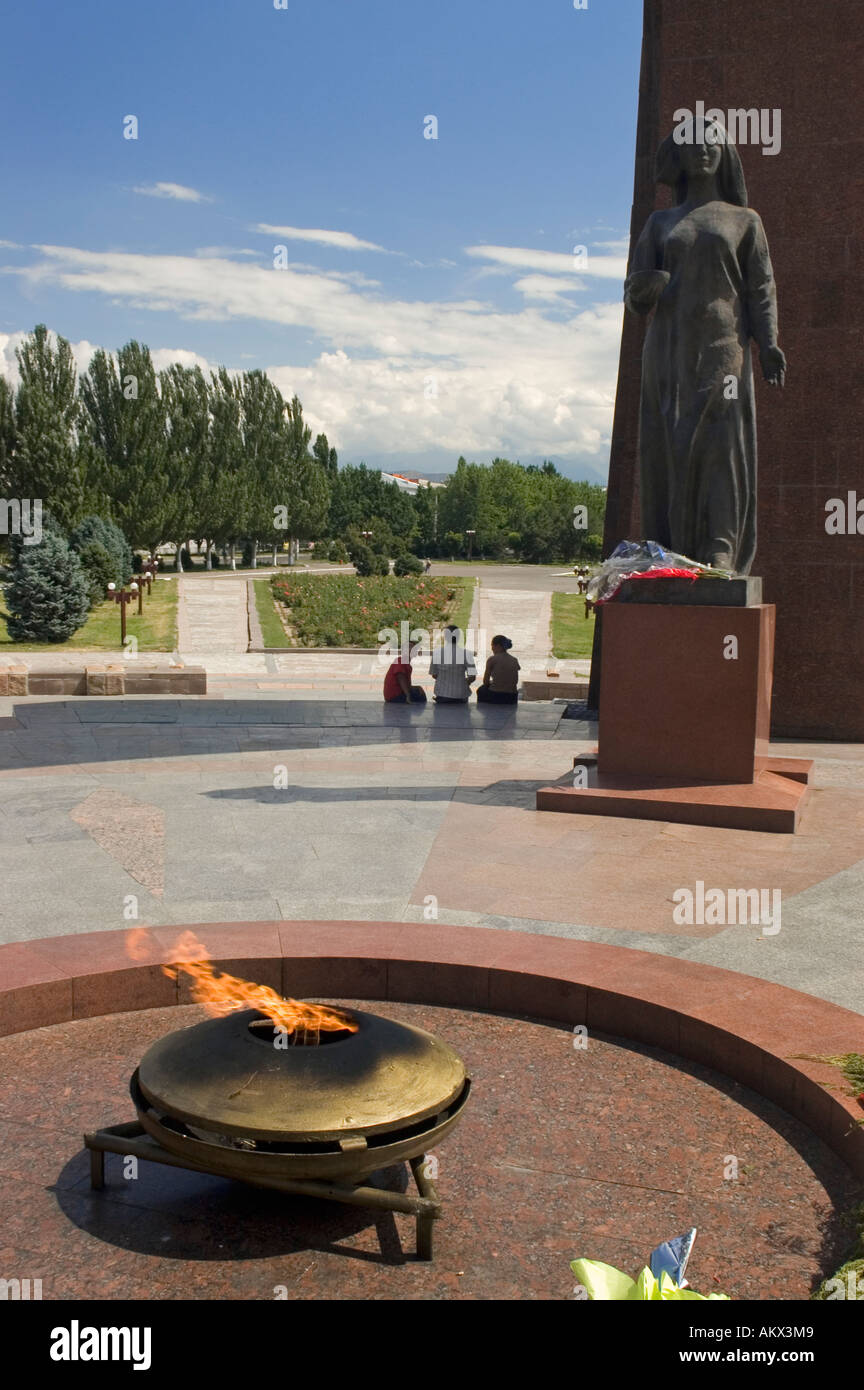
(773, 365)
(643, 288)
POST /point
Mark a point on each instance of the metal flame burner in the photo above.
(307, 1113)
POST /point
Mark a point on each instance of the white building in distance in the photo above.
(405, 483)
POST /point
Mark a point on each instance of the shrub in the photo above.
(48, 596)
(337, 552)
(106, 534)
(407, 564)
(100, 569)
(365, 560)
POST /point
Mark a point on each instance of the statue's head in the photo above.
(690, 151)
(703, 158)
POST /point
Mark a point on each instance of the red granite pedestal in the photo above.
(685, 711)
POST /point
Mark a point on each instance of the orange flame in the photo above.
(221, 993)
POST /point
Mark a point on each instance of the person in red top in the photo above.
(398, 689)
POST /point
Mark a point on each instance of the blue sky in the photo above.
(430, 302)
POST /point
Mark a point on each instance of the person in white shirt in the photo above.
(454, 669)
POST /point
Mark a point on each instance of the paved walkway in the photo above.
(523, 615)
(212, 809)
(211, 619)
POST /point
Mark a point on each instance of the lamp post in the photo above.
(123, 596)
(470, 535)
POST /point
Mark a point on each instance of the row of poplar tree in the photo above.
(166, 455)
(222, 458)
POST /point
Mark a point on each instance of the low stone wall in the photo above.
(554, 690)
(767, 1037)
(110, 678)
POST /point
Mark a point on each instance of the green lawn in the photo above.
(460, 613)
(341, 610)
(271, 624)
(155, 630)
(572, 632)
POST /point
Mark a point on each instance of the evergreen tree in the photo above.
(188, 461)
(7, 436)
(359, 494)
(304, 480)
(424, 535)
(126, 420)
(46, 460)
(95, 529)
(261, 424)
(229, 482)
(48, 595)
(326, 456)
(100, 567)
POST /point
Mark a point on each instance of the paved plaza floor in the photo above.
(278, 806)
(540, 1170)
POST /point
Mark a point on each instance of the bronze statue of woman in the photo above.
(703, 267)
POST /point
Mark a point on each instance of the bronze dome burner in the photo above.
(309, 1113)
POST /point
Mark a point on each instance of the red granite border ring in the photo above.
(755, 1032)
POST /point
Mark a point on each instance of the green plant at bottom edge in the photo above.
(606, 1283)
(831, 1288)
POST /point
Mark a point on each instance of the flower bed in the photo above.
(341, 610)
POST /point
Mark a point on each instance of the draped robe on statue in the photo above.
(697, 440)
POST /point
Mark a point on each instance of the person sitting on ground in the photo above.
(398, 689)
(454, 669)
(501, 677)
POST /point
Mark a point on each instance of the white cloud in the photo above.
(209, 252)
(178, 191)
(164, 357)
(546, 288)
(552, 262)
(344, 241)
(554, 405)
(9, 342)
(394, 374)
(619, 247)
